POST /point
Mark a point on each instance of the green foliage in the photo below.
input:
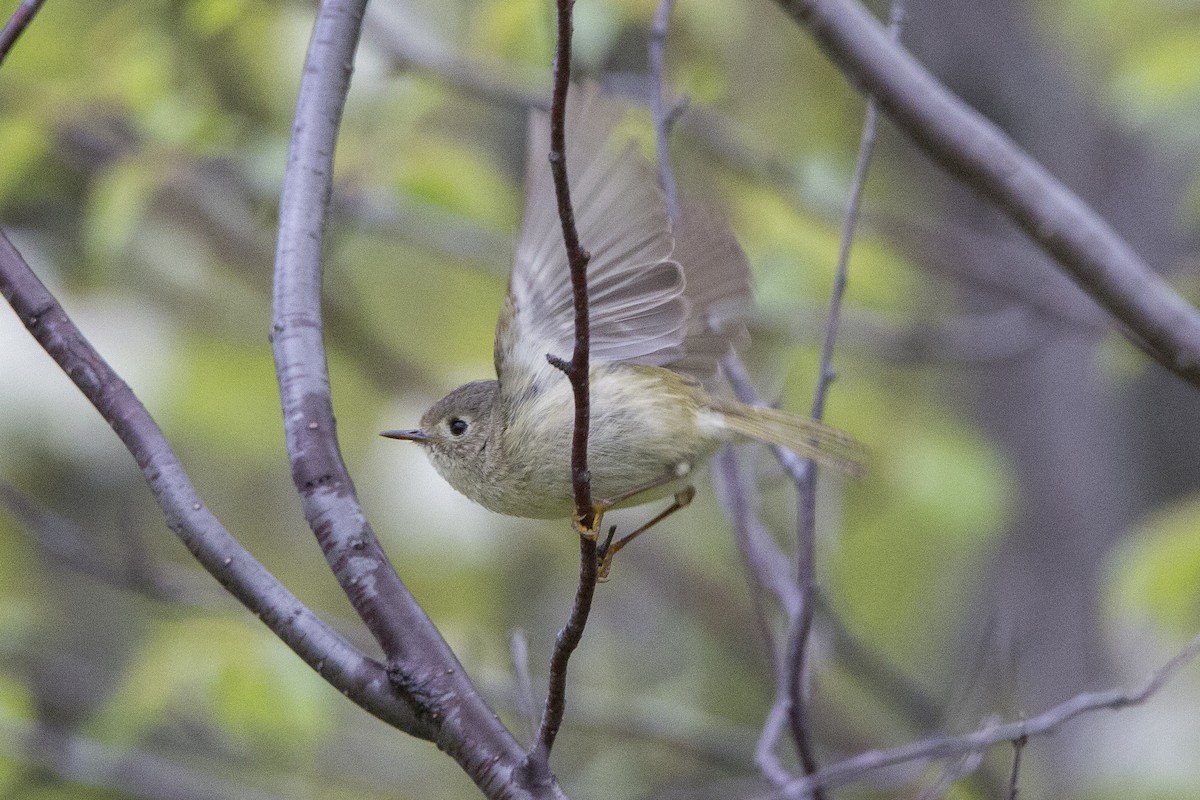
(111, 117)
(220, 673)
(1157, 571)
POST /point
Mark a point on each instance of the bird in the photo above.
(667, 304)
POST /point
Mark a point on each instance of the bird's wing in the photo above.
(717, 290)
(639, 312)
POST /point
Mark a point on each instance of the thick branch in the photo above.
(420, 663)
(982, 156)
(361, 679)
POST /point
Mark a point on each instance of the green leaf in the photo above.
(223, 673)
(1156, 571)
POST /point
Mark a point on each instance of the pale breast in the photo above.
(643, 428)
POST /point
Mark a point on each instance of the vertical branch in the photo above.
(17, 24)
(577, 258)
(1015, 776)
(421, 666)
(537, 761)
(797, 661)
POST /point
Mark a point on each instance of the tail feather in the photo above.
(805, 437)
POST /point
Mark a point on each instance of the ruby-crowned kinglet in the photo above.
(664, 311)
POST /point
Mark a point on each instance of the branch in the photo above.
(361, 679)
(944, 747)
(1015, 776)
(577, 372)
(420, 663)
(578, 259)
(978, 153)
(17, 24)
(564, 645)
(797, 683)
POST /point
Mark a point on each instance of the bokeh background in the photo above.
(1030, 524)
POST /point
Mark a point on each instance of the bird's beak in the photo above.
(413, 435)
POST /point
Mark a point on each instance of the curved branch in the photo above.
(978, 153)
(856, 768)
(361, 679)
(420, 663)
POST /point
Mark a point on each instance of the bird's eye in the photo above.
(458, 427)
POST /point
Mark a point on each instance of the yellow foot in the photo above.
(591, 531)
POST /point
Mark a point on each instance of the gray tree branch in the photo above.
(420, 663)
(973, 149)
(361, 679)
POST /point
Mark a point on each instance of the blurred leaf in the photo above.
(211, 17)
(458, 179)
(795, 257)
(118, 204)
(223, 673)
(1156, 571)
(520, 31)
(1161, 76)
(224, 394)
(26, 143)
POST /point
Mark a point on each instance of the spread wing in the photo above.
(639, 312)
(717, 290)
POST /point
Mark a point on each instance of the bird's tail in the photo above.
(805, 437)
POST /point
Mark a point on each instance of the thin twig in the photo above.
(806, 570)
(537, 760)
(564, 645)
(856, 768)
(978, 153)
(753, 545)
(577, 259)
(17, 24)
(1013, 778)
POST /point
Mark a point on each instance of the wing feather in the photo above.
(638, 308)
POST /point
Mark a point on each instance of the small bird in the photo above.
(665, 307)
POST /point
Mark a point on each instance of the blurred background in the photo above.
(1029, 527)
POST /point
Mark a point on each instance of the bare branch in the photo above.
(797, 684)
(577, 372)
(564, 645)
(578, 259)
(856, 768)
(975, 151)
(363, 680)
(420, 663)
(17, 24)
(1015, 775)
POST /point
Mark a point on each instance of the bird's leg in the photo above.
(600, 507)
(682, 498)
